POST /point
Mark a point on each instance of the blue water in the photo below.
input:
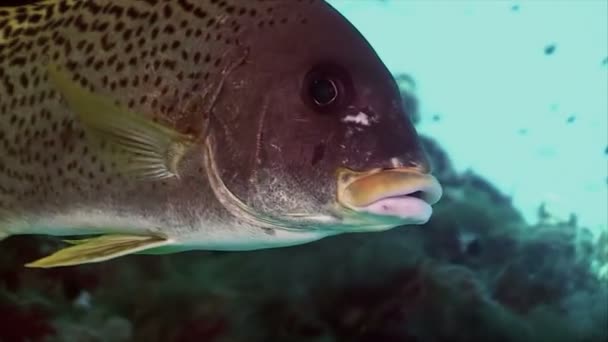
(514, 90)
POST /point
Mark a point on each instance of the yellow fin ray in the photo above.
(99, 249)
(149, 149)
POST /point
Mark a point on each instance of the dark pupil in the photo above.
(323, 91)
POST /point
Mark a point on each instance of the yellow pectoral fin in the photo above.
(148, 149)
(99, 249)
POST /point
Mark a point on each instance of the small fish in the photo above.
(163, 126)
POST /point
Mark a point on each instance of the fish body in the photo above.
(198, 124)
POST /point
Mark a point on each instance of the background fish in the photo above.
(222, 125)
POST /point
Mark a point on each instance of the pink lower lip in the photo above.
(403, 194)
(409, 208)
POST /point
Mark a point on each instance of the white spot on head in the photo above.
(361, 119)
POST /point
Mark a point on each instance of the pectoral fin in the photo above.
(99, 249)
(149, 149)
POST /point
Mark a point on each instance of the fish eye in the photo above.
(323, 91)
(326, 88)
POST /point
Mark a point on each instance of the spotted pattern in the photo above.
(156, 57)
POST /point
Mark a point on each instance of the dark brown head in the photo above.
(310, 130)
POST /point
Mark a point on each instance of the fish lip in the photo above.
(360, 191)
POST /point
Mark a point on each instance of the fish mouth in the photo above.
(393, 196)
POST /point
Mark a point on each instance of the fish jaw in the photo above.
(398, 196)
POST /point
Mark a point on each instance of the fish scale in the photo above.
(154, 57)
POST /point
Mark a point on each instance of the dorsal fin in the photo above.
(16, 15)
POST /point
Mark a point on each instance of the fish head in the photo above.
(312, 133)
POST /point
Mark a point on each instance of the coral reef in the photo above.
(475, 272)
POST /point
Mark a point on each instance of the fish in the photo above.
(157, 127)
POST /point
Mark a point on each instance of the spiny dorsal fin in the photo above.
(99, 249)
(16, 14)
(146, 149)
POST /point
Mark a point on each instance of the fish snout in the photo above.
(406, 193)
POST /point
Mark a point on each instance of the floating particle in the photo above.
(605, 62)
(522, 131)
(606, 150)
(550, 49)
(571, 119)
(515, 8)
(436, 117)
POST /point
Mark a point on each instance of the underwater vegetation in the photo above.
(475, 272)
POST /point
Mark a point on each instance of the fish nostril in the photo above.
(421, 166)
